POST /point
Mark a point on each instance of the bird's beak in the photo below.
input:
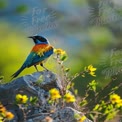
(31, 37)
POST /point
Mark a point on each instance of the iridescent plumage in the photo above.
(39, 53)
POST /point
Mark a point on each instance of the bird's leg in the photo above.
(44, 67)
(36, 68)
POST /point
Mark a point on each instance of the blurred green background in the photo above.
(89, 31)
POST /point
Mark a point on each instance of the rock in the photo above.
(37, 84)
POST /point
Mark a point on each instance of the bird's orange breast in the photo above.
(41, 48)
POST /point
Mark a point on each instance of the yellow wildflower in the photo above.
(2, 110)
(4, 114)
(54, 94)
(21, 98)
(91, 70)
(68, 97)
(82, 119)
(61, 53)
(114, 98)
(119, 103)
(9, 115)
(92, 74)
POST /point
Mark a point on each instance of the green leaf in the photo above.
(50, 101)
(115, 88)
(92, 116)
(41, 79)
(21, 9)
(83, 103)
(77, 116)
(67, 69)
(96, 107)
(33, 100)
(63, 57)
(3, 4)
(92, 85)
(76, 92)
(68, 86)
(1, 77)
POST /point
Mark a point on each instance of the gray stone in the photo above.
(37, 84)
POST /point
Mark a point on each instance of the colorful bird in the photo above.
(38, 55)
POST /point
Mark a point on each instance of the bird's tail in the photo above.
(18, 72)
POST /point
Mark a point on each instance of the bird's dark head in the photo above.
(39, 39)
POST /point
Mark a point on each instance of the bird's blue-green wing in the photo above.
(35, 58)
